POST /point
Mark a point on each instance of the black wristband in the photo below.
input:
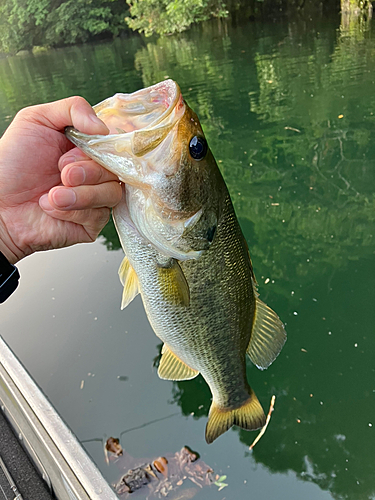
(9, 277)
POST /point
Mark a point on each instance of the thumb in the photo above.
(75, 111)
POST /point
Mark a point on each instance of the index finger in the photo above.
(73, 155)
(86, 172)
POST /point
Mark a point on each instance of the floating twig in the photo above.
(292, 128)
(263, 429)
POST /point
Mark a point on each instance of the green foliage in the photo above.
(355, 5)
(77, 20)
(171, 16)
(49, 23)
(28, 23)
(220, 482)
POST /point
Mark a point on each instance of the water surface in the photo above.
(288, 111)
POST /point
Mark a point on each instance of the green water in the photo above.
(288, 111)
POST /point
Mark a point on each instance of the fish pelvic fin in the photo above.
(129, 280)
(172, 368)
(249, 416)
(173, 284)
(268, 336)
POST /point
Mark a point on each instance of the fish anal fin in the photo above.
(249, 416)
(129, 280)
(173, 284)
(172, 368)
(267, 337)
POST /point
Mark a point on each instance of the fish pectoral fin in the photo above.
(173, 285)
(172, 368)
(249, 416)
(129, 280)
(123, 270)
(268, 336)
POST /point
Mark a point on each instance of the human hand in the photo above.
(51, 194)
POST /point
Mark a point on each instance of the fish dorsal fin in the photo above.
(268, 336)
(173, 284)
(172, 368)
(129, 281)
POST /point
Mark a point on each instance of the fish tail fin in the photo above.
(249, 416)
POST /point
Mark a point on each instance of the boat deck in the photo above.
(23, 475)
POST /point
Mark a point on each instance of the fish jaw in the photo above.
(93, 145)
(138, 123)
(143, 109)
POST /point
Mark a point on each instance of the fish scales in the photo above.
(220, 305)
(185, 252)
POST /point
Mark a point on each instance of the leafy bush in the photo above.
(171, 16)
(28, 23)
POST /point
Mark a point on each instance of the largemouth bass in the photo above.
(184, 250)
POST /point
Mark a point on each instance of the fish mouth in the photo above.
(143, 109)
(137, 122)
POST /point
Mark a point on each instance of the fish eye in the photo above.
(198, 148)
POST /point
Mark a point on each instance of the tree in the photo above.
(171, 16)
(28, 23)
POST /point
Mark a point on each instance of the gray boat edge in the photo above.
(62, 462)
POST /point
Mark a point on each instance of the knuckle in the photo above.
(76, 101)
(114, 193)
(24, 113)
(118, 193)
(98, 218)
(99, 171)
(104, 216)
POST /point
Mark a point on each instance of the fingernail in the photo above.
(98, 122)
(44, 203)
(66, 160)
(64, 197)
(77, 176)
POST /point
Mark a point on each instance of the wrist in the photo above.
(9, 278)
(7, 247)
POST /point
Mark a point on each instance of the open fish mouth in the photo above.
(145, 108)
(137, 122)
